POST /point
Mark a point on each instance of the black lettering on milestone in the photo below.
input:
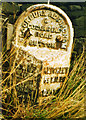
(36, 34)
(27, 20)
(27, 33)
(50, 14)
(37, 27)
(55, 16)
(35, 14)
(43, 12)
(24, 24)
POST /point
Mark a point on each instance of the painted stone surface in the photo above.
(45, 32)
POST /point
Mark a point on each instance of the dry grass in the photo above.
(68, 102)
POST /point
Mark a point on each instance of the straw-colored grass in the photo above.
(67, 103)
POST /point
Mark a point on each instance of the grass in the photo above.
(68, 102)
(19, 98)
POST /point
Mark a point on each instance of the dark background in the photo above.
(75, 10)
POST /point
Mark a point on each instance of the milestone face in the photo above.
(44, 32)
(44, 29)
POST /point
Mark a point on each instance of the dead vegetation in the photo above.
(68, 102)
(19, 99)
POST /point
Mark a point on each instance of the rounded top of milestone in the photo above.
(44, 30)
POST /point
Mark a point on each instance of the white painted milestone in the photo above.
(46, 32)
